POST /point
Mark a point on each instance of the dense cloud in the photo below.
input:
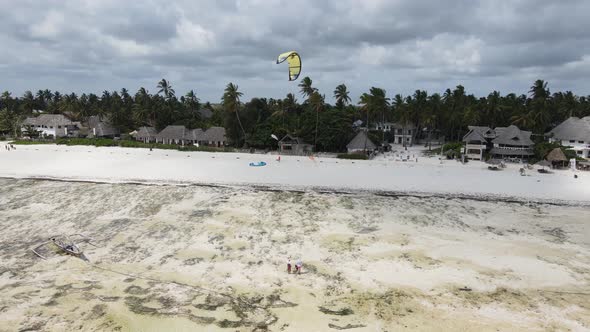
(91, 45)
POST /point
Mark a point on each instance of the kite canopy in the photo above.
(294, 62)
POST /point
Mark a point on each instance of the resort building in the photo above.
(52, 125)
(512, 143)
(175, 135)
(146, 134)
(477, 141)
(361, 143)
(501, 142)
(575, 133)
(294, 146)
(98, 127)
(401, 134)
(214, 136)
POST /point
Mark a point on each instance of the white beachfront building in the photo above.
(401, 134)
(51, 125)
(573, 132)
(478, 141)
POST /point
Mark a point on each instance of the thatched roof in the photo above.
(101, 127)
(49, 120)
(361, 142)
(572, 129)
(146, 132)
(176, 133)
(513, 136)
(213, 134)
(479, 134)
(556, 155)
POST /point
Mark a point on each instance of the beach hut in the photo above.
(214, 136)
(291, 145)
(146, 134)
(175, 135)
(556, 156)
(99, 127)
(361, 143)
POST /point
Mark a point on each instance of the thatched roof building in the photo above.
(99, 127)
(361, 143)
(146, 134)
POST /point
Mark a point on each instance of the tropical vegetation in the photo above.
(328, 127)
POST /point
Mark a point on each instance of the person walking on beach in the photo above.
(289, 266)
(298, 267)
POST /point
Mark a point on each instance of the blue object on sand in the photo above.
(260, 163)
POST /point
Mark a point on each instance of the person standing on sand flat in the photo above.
(298, 267)
(289, 266)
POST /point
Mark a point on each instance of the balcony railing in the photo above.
(514, 148)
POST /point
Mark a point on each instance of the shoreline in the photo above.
(317, 190)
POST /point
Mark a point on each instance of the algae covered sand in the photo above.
(208, 258)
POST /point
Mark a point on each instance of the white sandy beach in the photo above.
(188, 258)
(427, 175)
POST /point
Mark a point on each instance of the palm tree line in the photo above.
(328, 127)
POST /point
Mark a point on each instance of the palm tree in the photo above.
(365, 103)
(166, 88)
(540, 105)
(231, 103)
(379, 102)
(28, 102)
(317, 102)
(539, 90)
(524, 120)
(341, 94)
(191, 100)
(306, 89)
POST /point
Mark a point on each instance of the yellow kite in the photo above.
(294, 63)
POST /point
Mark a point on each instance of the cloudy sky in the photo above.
(401, 46)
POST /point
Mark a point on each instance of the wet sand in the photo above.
(212, 258)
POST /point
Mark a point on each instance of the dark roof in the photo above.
(101, 127)
(513, 136)
(474, 135)
(479, 133)
(197, 134)
(175, 132)
(146, 132)
(213, 134)
(361, 142)
(511, 152)
(288, 139)
(572, 129)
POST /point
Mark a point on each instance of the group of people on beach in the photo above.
(9, 147)
(298, 266)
